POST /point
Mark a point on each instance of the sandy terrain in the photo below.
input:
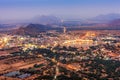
(4, 68)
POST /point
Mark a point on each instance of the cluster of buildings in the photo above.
(67, 55)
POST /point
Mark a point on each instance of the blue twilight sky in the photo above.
(25, 9)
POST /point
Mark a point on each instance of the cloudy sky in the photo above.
(25, 9)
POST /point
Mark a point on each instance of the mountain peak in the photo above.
(44, 19)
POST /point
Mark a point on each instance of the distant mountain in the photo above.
(115, 22)
(34, 29)
(31, 29)
(105, 18)
(46, 20)
(111, 25)
(71, 23)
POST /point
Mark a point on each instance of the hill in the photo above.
(34, 29)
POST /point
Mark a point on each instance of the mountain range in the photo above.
(45, 23)
(105, 18)
(46, 20)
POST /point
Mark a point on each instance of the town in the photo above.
(66, 55)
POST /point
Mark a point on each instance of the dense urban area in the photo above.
(66, 55)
